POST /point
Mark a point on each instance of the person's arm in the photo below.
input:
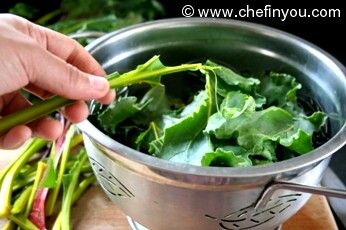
(44, 62)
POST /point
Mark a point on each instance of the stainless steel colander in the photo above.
(164, 195)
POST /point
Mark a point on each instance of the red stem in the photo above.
(38, 214)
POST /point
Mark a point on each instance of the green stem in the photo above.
(131, 78)
(23, 222)
(53, 195)
(76, 140)
(76, 195)
(7, 183)
(20, 183)
(39, 173)
(115, 81)
(4, 171)
(31, 113)
(70, 182)
(21, 203)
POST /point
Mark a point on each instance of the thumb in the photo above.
(56, 76)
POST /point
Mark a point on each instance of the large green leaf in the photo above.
(234, 110)
(178, 137)
(299, 138)
(196, 150)
(225, 158)
(117, 112)
(279, 89)
(154, 104)
(233, 79)
(144, 138)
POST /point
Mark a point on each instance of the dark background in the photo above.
(327, 33)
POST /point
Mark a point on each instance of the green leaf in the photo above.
(298, 141)
(232, 79)
(149, 135)
(21, 202)
(70, 182)
(7, 179)
(106, 23)
(236, 103)
(279, 89)
(225, 158)
(153, 66)
(24, 10)
(299, 138)
(195, 151)
(178, 137)
(222, 124)
(49, 179)
(257, 132)
(117, 112)
(154, 103)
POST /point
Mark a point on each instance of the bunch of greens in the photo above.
(221, 119)
(31, 185)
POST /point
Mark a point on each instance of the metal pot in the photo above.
(164, 195)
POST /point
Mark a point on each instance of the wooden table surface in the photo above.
(95, 211)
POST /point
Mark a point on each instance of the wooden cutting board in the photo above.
(95, 211)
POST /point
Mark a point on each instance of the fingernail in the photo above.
(98, 83)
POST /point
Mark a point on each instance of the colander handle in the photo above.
(276, 185)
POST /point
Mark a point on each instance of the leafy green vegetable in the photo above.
(75, 16)
(23, 222)
(225, 158)
(64, 157)
(40, 169)
(233, 79)
(101, 24)
(178, 138)
(70, 181)
(76, 195)
(233, 122)
(24, 10)
(49, 178)
(33, 169)
(7, 180)
(20, 204)
(279, 89)
(117, 112)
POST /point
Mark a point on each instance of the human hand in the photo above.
(45, 62)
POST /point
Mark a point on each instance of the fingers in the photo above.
(63, 47)
(46, 128)
(62, 78)
(12, 102)
(44, 57)
(109, 98)
(76, 112)
(15, 137)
